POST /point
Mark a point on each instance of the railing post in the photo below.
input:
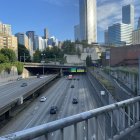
(123, 118)
(96, 128)
(138, 115)
(46, 136)
(75, 131)
(62, 134)
(86, 130)
(111, 124)
(129, 117)
(104, 126)
(133, 113)
(118, 121)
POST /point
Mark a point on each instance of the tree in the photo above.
(37, 56)
(69, 47)
(23, 51)
(10, 54)
(3, 58)
(89, 61)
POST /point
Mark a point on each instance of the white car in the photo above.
(43, 99)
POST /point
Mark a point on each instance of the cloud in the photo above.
(110, 11)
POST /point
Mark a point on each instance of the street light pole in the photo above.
(55, 58)
(43, 61)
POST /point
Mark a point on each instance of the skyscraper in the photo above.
(88, 20)
(120, 34)
(77, 32)
(46, 33)
(128, 14)
(138, 23)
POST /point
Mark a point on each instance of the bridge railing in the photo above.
(130, 116)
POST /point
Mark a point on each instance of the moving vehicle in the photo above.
(24, 85)
(75, 101)
(53, 110)
(43, 99)
(72, 86)
(70, 77)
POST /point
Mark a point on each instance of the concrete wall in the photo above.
(5, 76)
(13, 75)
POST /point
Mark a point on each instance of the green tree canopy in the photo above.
(10, 54)
(69, 47)
(3, 58)
(88, 61)
(37, 56)
(23, 51)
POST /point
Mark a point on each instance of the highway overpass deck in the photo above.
(13, 94)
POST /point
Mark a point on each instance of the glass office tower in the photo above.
(128, 14)
(88, 20)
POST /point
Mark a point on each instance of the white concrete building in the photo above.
(88, 20)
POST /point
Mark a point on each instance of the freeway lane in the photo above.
(61, 94)
(14, 90)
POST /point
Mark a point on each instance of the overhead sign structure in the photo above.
(80, 70)
(73, 70)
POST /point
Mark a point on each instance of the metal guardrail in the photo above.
(129, 123)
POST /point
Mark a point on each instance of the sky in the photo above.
(59, 16)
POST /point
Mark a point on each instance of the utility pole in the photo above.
(24, 57)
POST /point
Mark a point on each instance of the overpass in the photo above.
(42, 68)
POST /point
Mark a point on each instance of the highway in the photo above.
(11, 91)
(61, 95)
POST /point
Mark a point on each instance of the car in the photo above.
(75, 101)
(43, 99)
(53, 110)
(19, 78)
(24, 85)
(77, 79)
(72, 86)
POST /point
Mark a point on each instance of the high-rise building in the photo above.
(88, 20)
(77, 32)
(136, 37)
(46, 33)
(40, 43)
(128, 14)
(106, 37)
(5, 29)
(31, 35)
(120, 34)
(138, 23)
(22, 39)
(7, 40)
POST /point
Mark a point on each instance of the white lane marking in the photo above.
(28, 124)
(36, 107)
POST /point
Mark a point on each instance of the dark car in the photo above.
(53, 110)
(24, 85)
(77, 79)
(72, 86)
(75, 101)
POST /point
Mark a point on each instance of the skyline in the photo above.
(59, 16)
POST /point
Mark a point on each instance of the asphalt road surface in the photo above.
(61, 95)
(11, 91)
